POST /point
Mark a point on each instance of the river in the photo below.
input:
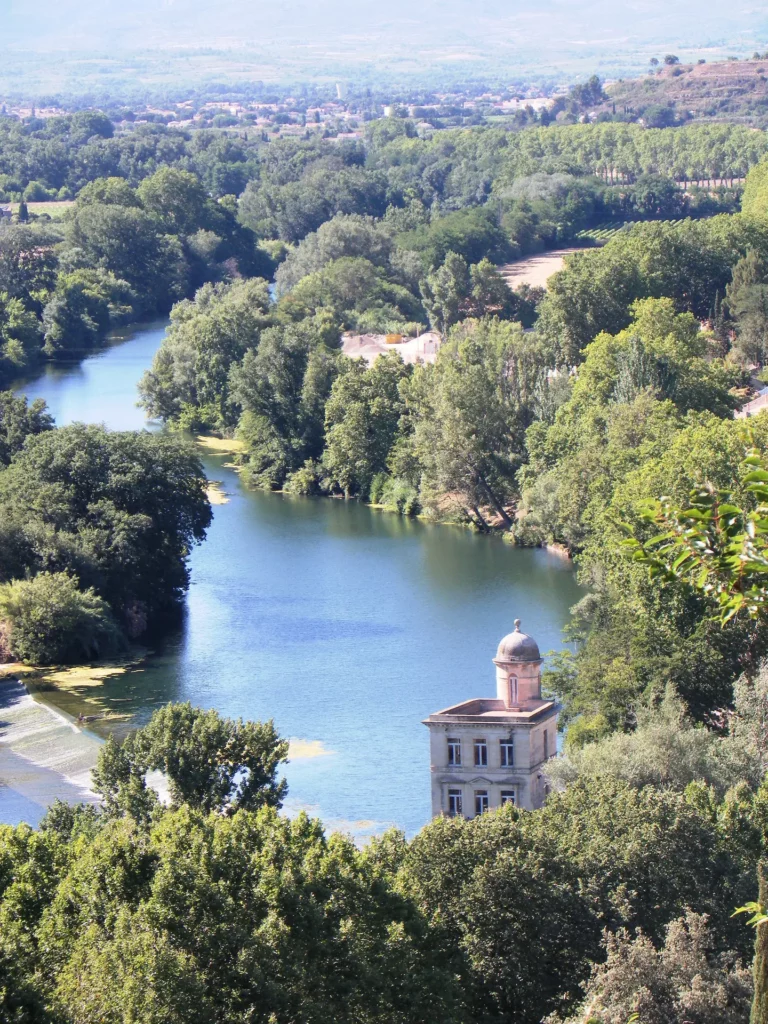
(345, 625)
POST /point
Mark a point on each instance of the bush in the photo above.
(36, 192)
(397, 495)
(306, 480)
(378, 484)
(683, 981)
(50, 619)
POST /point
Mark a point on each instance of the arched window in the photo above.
(513, 689)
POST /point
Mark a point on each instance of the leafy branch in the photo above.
(713, 546)
(756, 910)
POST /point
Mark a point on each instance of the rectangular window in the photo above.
(507, 753)
(454, 752)
(546, 744)
(508, 796)
(481, 801)
(481, 753)
(454, 802)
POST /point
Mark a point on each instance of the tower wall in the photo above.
(518, 682)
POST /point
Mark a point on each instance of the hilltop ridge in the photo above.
(733, 90)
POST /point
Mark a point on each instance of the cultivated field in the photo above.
(54, 208)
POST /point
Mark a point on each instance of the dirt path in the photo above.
(535, 270)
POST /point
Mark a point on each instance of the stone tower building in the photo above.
(489, 751)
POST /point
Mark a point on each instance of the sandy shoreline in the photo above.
(535, 270)
(43, 757)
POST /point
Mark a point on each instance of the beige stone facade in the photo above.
(489, 751)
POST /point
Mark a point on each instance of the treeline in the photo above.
(58, 156)
(95, 531)
(314, 420)
(296, 190)
(448, 438)
(217, 908)
(647, 413)
(157, 215)
(62, 154)
(121, 254)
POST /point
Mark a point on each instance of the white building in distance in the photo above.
(489, 751)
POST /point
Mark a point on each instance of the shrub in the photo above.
(36, 192)
(683, 981)
(397, 495)
(378, 484)
(50, 619)
(306, 480)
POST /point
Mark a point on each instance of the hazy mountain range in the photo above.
(371, 37)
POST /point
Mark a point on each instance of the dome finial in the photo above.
(517, 625)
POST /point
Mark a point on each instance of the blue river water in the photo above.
(344, 624)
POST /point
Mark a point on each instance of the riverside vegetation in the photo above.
(617, 897)
(156, 212)
(95, 528)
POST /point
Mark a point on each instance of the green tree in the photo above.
(118, 510)
(356, 293)
(211, 763)
(468, 414)
(714, 546)
(85, 124)
(28, 263)
(685, 979)
(347, 235)
(20, 338)
(48, 619)
(444, 290)
(85, 304)
(754, 203)
(472, 234)
(283, 388)
(126, 241)
(19, 419)
(688, 263)
(187, 918)
(760, 965)
(361, 421)
(108, 192)
(175, 197)
(188, 382)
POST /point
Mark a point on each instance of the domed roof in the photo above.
(518, 646)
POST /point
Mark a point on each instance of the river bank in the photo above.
(345, 626)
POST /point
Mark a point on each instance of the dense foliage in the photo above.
(216, 908)
(95, 529)
(119, 254)
(157, 214)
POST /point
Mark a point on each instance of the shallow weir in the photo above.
(43, 757)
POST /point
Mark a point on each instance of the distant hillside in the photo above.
(735, 91)
(92, 45)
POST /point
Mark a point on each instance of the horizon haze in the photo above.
(90, 44)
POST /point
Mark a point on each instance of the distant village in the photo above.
(337, 115)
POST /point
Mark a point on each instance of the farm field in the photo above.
(55, 208)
